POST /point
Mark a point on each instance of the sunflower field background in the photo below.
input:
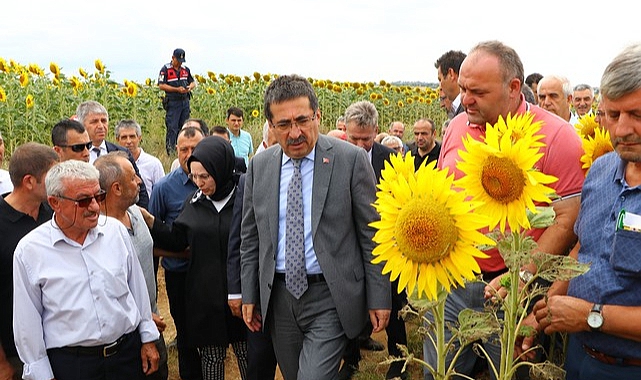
(33, 99)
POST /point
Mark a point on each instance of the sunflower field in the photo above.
(33, 99)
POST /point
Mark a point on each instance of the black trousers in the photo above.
(395, 331)
(261, 360)
(189, 365)
(125, 364)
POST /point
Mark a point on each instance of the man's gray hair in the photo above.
(622, 76)
(363, 113)
(389, 139)
(90, 106)
(126, 124)
(59, 174)
(583, 87)
(565, 83)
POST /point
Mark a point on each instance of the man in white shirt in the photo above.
(129, 135)
(81, 308)
(5, 182)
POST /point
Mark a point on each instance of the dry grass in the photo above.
(370, 369)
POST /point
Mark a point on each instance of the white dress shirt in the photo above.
(150, 168)
(68, 294)
(5, 182)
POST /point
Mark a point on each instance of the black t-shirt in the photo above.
(14, 225)
(431, 156)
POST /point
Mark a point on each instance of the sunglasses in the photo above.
(78, 147)
(85, 202)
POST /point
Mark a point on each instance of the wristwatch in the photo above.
(595, 317)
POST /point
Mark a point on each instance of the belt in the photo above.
(612, 360)
(311, 278)
(104, 351)
(489, 276)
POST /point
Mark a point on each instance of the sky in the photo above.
(340, 40)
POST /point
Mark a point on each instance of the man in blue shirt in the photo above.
(241, 140)
(166, 203)
(598, 308)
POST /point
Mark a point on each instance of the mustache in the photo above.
(299, 140)
(627, 139)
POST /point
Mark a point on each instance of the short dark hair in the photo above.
(288, 87)
(220, 130)
(59, 131)
(31, 158)
(533, 78)
(202, 123)
(450, 60)
(190, 132)
(234, 111)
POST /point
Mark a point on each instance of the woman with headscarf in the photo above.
(203, 226)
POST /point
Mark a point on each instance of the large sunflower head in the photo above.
(500, 174)
(428, 233)
(586, 126)
(595, 147)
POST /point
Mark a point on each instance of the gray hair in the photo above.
(88, 107)
(363, 113)
(59, 174)
(622, 76)
(126, 124)
(389, 139)
(109, 168)
(565, 83)
(583, 87)
(288, 87)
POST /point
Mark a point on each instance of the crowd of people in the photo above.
(269, 250)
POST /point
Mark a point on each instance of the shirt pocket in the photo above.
(115, 283)
(626, 253)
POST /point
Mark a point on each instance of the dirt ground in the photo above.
(369, 365)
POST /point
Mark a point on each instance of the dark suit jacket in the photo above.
(343, 192)
(143, 199)
(233, 248)
(239, 169)
(380, 154)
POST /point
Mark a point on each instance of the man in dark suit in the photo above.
(306, 249)
(362, 126)
(95, 118)
(448, 66)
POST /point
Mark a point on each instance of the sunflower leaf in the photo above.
(543, 218)
(476, 325)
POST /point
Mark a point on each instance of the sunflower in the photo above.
(83, 73)
(3, 65)
(29, 101)
(3, 95)
(595, 147)
(520, 127)
(132, 89)
(499, 173)
(99, 66)
(24, 79)
(427, 234)
(255, 113)
(586, 126)
(55, 69)
(211, 91)
(76, 84)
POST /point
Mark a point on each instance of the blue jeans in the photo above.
(581, 366)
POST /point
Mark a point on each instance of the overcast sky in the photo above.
(343, 40)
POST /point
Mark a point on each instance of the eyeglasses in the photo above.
(85, 202)
(78, 147)
(194, 177)
(302, 122)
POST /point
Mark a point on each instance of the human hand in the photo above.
(379, 318)
(562, 314)
(523, 345)
(252, 317)
(146, 215)
(159, 321)
(236, 307)
(6, 370)
(150, 358)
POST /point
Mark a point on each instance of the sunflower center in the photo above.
(425, 232)
(502, 179)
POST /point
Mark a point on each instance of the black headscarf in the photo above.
(217, 156)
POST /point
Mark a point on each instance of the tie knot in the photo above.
(297, 162)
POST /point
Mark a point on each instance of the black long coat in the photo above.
(206, 231)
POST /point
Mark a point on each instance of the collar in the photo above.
(310, 156)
